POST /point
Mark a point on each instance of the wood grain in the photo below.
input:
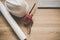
(46, 25)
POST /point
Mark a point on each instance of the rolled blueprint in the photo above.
(12, 22)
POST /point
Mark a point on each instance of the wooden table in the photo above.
(46, 25)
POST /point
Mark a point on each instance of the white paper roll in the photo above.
(12, 22)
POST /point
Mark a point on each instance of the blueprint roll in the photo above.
(12, 22)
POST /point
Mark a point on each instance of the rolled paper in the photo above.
(12, 22)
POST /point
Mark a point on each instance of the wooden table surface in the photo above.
(46, 25)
